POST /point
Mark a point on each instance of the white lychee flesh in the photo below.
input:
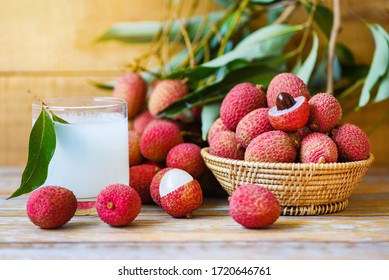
(172, 180)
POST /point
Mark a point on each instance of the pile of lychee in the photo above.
(285, 124)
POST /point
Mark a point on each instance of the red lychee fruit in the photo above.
(290, 113)
(154, 186)
(224, 144)
(216, 127)
(239, 101)
(158, 138)
(286, 82)
(140, 179)
(352, 142)
(141, 121)
(180, 193)
(254, 206)
(325, 112)
(50, 207)
(253, 124)
(135, 156)
(318, 148)
(118, 205)
(164, 93)
(271, 146)
(187, 156)
(298, 135)
(132, 88)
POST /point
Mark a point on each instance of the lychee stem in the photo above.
(188, 216)
(110, 205)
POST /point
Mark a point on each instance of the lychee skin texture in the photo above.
(187, 156)
(318, 148)
(286, 82)
(271, 146)
(239, 101)
(253, 124)
(352, 142)
(135, 156)
(253, 206)
(140, 180)
(224, 144)
(132, 88)
(290, 119)
(154, 186)
(51, 207)
(325, 112)
(141, 121)
(158, 138)
(118, 205)
(183, 201)
(216, 127)
(164, 93)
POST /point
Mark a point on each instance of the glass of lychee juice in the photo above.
(92, 147)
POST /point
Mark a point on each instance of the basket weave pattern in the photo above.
(301, 188)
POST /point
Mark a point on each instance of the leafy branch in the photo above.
(213, 50)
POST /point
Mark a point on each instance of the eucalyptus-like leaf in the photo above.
(102, 85)
(267, 41)
(40, 152)
(306, 69)
(344, 54)
(378, 66)
(264, 2)
(144, 31)
(257, 74)
(209, 114)
(383, 89)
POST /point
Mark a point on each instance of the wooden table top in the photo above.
(359, 232)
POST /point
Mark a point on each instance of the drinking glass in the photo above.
(92, 148)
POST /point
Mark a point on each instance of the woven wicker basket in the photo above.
(301, 188)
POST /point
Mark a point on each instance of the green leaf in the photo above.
(306, 69)
(323, 18)
(264, 2)
(267, 41)
(344, 54)
(41, 150)
(209, 114)
(144, 31)
(132, 32)
(383, 89)
(257, 74)
(378, 66)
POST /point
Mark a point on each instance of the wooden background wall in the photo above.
(46, 46)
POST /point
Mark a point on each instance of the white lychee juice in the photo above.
(92, 148)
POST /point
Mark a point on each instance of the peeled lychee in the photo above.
(352, 142)
(132, 88)
(239, 101)
(118, 205)
(253, 124)
(290, 113)
(271, 146)
(164, 93)
(135, 156)
(325, 112)
(158, 138)
(180, 193)
(286, 82)
(141, 121)
(254, 206)
(318, 148)
(51, 207)
(187, 156)
(140, 179)
(154, 186)
(216, 127)
(224, 144)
